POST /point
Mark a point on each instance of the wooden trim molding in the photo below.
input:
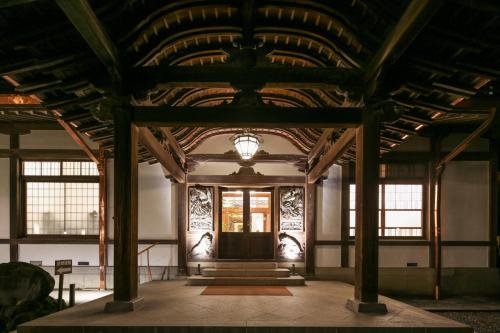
(246, 180)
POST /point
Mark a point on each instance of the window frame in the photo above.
(397, 181)
(24, 180)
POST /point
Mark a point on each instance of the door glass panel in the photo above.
(260, 211)
(232, 211)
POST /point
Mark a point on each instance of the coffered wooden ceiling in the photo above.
(446, 73)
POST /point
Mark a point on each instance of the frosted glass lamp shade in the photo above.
(246, 144)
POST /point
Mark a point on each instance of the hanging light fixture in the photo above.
(246, 144)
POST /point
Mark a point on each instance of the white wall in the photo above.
(328, 205)
(4, 253)
(399, 256)
(4, 198)
(328, 256)
(48, 253)
(51, 140)
(4, 141)
(465, 256)
(157, 210)
(465, 201)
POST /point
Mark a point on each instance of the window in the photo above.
(400, 210)
(61, 197)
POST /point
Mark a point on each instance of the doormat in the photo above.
(247, 291)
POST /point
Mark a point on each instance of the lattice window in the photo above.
(400, 210)
(61, 197)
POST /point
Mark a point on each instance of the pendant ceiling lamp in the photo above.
(246, 144)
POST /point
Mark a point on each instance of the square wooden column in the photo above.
(125, 276)
(366, 239)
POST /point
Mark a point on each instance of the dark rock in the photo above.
(24, 294)
(22, 282)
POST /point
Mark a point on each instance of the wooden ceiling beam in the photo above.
(318, 147)
(88, 25)
(174, 145)
(79, 140)
(246, 117)
(332, 155)
(259, 157)
(414, 19)
(166, 77)
(156, 149)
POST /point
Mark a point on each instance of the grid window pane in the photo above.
(62, 208)
(401, 213)
(80, 168)
(32, 168)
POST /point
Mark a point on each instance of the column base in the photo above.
(356, 305)
(123, 306)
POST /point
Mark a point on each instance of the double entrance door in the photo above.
(246, 228)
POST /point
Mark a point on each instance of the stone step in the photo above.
(198, 280)
(246, 264)
(241, 272)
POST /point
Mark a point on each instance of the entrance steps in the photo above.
(246, 273)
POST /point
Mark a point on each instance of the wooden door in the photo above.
(246, 224)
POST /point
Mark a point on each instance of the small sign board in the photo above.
(63, 267)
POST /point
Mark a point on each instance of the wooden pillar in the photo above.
(435, 149)
(344, 217)
(494, 202)
(310, 190)
(125, 276)
(367, 181)
(102, 217)
(182, 226)
(15, 225)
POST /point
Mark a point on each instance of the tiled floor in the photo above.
(172, 307)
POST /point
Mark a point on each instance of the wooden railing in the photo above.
(147, 258)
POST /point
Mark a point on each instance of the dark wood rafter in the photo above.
(246, 180)
(332, 155)
(166, 77)
(86, 22)
(263, 117)
(79, 140)
(163, 156)
(174, 145)
(320, 143)
(259, 157)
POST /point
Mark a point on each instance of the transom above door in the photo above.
(246, 229)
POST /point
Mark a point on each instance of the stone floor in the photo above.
(173, 307)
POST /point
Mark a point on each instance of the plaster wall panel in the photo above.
(156, 204)
(54, 139)
(4, 253)
(4, 141)
(465, 201)
(328, 205)
(328, 256)
(4, 198)
(352, 252)
(465, 256)
(159, 255)
(48, 253)
(399, 256)
(452, 140)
